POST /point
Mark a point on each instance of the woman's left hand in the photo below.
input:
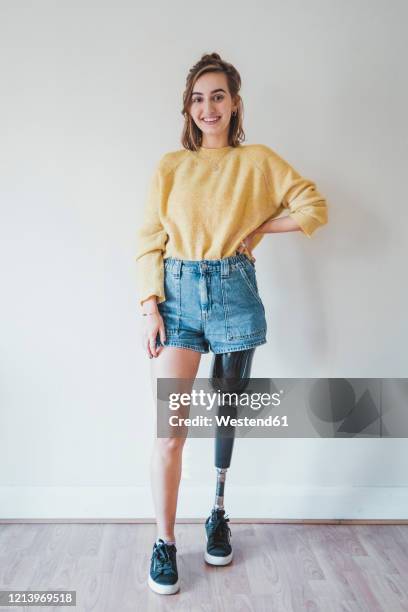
(247, 244)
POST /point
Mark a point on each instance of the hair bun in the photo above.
(210, 56)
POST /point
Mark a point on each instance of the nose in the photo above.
(209, 108)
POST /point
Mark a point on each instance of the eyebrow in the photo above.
(213, 91)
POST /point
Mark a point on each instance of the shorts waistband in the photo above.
(205, 265)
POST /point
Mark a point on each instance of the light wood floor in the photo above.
(276, 567)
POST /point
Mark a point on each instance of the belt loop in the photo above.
(225, 267)
(176, 268)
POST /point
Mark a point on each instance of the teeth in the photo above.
(211, 120)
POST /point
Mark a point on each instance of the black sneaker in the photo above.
(219, 550)
(163, 577)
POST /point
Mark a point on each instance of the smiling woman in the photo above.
(209, 204)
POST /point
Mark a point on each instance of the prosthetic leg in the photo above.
(229, 374)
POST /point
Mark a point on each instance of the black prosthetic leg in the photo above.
(230, 373)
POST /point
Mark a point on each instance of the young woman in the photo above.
(209, 204)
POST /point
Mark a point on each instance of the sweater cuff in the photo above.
(150, 293)
(306, 223)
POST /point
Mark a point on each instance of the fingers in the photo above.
(146, 346)
(149, 344)
(152, 346)
(162, 334)
(149, 340)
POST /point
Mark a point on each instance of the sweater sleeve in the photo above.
(151, 240)
(296, 193)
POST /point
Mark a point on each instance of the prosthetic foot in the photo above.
(219, 549)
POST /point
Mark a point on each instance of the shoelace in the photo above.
(164, 563)
(220, 529)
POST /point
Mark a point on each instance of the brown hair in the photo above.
(191, 137)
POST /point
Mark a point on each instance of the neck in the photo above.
(214, 142)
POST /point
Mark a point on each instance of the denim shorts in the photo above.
(212, 304)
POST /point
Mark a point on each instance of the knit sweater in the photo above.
(202, 204)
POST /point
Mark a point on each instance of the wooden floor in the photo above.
(276, 567)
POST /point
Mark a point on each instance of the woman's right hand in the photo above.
(152, 325)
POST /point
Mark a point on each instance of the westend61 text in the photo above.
(226, 420)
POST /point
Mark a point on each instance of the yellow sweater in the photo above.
(202, 204)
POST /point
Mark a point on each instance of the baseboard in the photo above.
(252, 504)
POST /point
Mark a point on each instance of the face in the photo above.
(211, 100)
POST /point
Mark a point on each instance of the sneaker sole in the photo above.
(163, 589)
(214, 560)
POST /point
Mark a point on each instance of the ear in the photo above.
(235, 103)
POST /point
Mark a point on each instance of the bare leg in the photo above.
(166, 461)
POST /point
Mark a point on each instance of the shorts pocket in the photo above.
(244, 310)
(249, 275)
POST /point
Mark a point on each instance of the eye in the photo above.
(217, 96)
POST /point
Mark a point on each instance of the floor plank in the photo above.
(276, 567)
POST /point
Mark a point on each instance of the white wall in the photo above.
(90, 97)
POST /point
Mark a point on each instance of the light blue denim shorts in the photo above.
(212, 304)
